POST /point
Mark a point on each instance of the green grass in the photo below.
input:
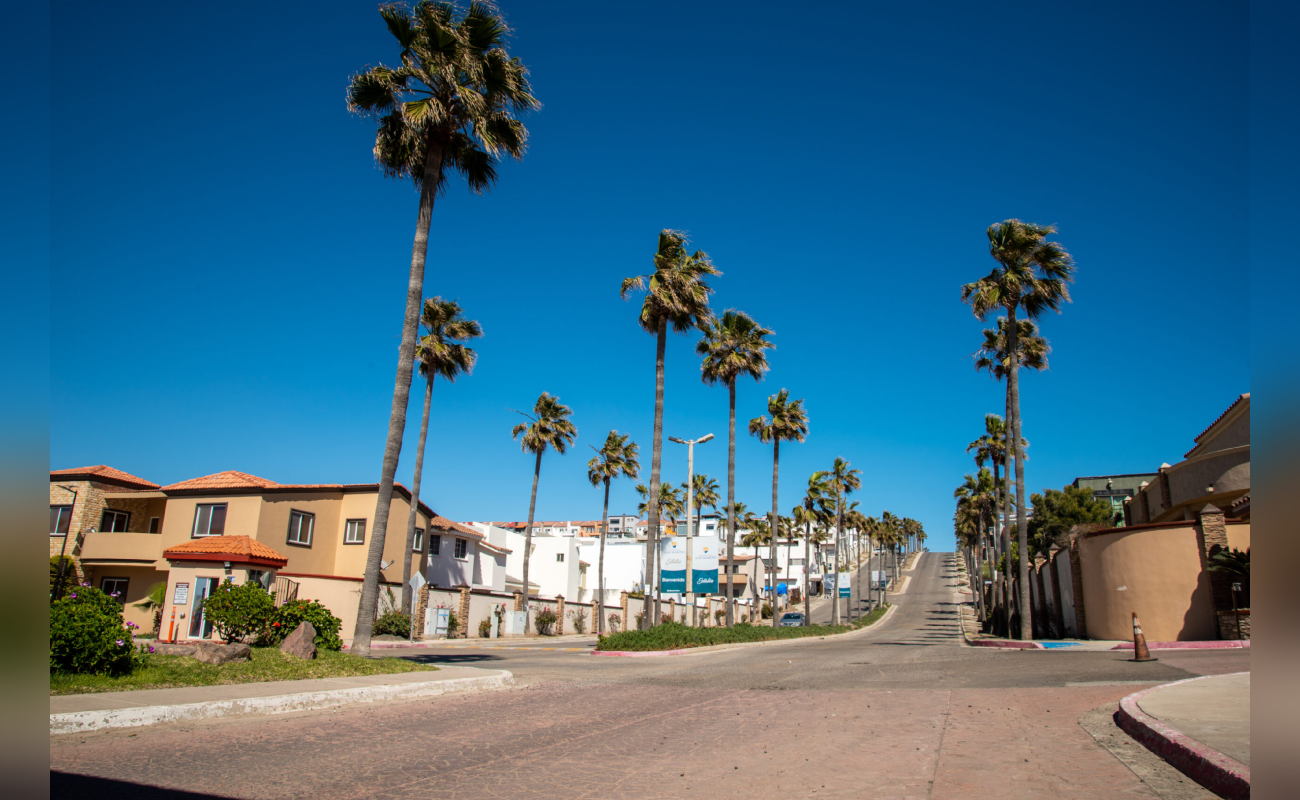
(268, 664)
(675, 636)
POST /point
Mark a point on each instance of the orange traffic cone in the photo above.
(1140, 651)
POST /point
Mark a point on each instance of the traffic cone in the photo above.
(1140, 651)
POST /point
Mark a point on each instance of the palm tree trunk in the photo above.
(776, 524)
(1004, 586)
(369, 603)
(1022, 524)
(598, 626)
(839, 534)
(415, 498)
(652, 505)
(731, 499)
(528, 533)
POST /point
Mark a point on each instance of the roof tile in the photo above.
(225, 545)
(106, 472)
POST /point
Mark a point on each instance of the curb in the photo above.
(718, 648)
(1005, 644)
(1222, 775)
(85, 721)
(1228, 644)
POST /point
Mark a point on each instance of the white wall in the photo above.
(624, 565)
(552, 577)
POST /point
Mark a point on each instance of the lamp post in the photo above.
(690, 511)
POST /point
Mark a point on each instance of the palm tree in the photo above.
(450, 106)
(758, 531)
(675, 294)
(1031, 274)
(705, 493)
(617, 457)
(789, 422)
(843, 481)
(817, 501)
(551, 429)
(670, 505)
(441, 352)
(733, 345)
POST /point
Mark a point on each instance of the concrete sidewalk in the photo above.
(1200, 725)
(78, 713)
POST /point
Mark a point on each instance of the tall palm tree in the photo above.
(451, 106)
(788, 422)
(733, 345)
(441, 351)
(617, 456)
(977, 511)
(1032, 274)
(816, 507)
(670, 506)
(550, 429)
(676, 295)
(891, 528)
(844, 480)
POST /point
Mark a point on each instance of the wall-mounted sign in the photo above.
(182, 594)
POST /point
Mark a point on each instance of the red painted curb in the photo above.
(1007, 645)
(1225, 776)
(648, 653)
(1230, 644)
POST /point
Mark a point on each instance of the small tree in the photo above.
(239, 611)
(545, 621)
(614, 622)
(579, 618)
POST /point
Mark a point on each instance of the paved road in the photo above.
(898, 710)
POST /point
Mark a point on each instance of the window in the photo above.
(300, 528)
(110, 585)
(435, 545)
(60, 517)
(155, 525)
(418, 544)
(354, 532)
(209, 520)
(114, 521)
(796, 562)
(462, 547)
(559, 556)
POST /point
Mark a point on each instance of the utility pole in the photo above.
(690, 513)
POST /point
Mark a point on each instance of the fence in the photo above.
(285, 590)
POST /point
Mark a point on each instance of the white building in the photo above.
(461, 555)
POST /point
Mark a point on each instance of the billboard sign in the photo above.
(672, 564)
(704, 564)
(843, 583)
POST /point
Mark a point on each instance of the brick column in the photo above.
(1076, 587)
(559, 615)
(462, 614)
(1212, 535)
(519, 601)
(622, 603)
(672, 609)
(421, 609)
(596, 608)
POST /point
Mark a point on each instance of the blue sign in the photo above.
(780, 589)
(706, 581)
(672, 581)
(843, 584)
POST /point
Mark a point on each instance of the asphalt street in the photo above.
(901, 709)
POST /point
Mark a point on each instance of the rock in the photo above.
(216, 653)
(164, 649)
(302, 642)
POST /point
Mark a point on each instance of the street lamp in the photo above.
(690, 512)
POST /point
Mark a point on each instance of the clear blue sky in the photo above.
(229, 267)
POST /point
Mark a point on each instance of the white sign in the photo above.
(181, 595)
(417, 580)
(673, 551)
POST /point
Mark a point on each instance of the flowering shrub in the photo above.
(719, 616)
(545, 621)
(87, 635)
(485, 628)
(239, 611)
(295, 612)
(614, 621)
(579, 618)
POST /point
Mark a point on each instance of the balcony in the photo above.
(141, 549)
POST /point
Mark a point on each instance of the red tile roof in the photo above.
(229, 479)
(102, 472)
(1226, 411)
(241, 549)
(442, 523)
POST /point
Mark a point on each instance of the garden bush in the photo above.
(295, 612)
(394, 623)
(238, 612)
(720, 616)
(767, 611)
(453, 625)
(614, 621)
(69, 574)
(485, 627)
(579, 618)
(88, 636)
(545, 621)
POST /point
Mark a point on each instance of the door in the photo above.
(200, 627)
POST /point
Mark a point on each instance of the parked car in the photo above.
(792, 619)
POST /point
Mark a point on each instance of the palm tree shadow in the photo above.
(69, 785)
(451, 658)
